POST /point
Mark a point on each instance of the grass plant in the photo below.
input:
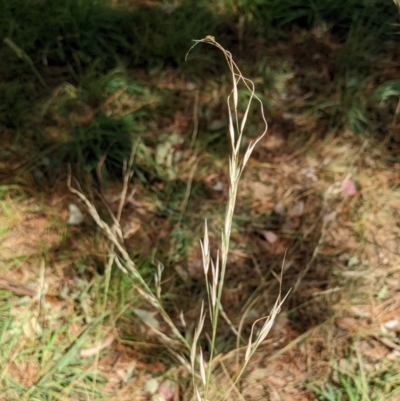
(361, 383)
(37, 364)
(217, 268)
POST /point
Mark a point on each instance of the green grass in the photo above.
(42, 362)
(361, 383)
(269, 17)
(41, 342)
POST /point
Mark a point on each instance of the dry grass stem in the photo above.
(215, 284)
(218, 267)
(128, 266)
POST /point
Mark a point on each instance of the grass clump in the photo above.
(361, 383)
(94, 34)
(40, 356)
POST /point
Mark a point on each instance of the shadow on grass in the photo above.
(49, 44)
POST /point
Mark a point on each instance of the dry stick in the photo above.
(20, 289)
(40, 296)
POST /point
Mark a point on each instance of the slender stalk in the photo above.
(128, 265)
(225, 240)
(236, 128)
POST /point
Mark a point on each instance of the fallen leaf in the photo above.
(348, 187)
(166, 390)
(151, 385)
(254, 392)
(219, 186)
(280, 209)
(393, 356)
(310, 173)
(393, 324)
(288, 116)
(191, 86)
(166, 153)
(131, 228)
(296, 210)
(257, 375)
(382, 292)
(260, 192)
(359, 312)
(217, 125)
(75, 215)
(346, 323)
(353, 261)
(270, 236)
(32, 327)
(127, 373)
(329, 217)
